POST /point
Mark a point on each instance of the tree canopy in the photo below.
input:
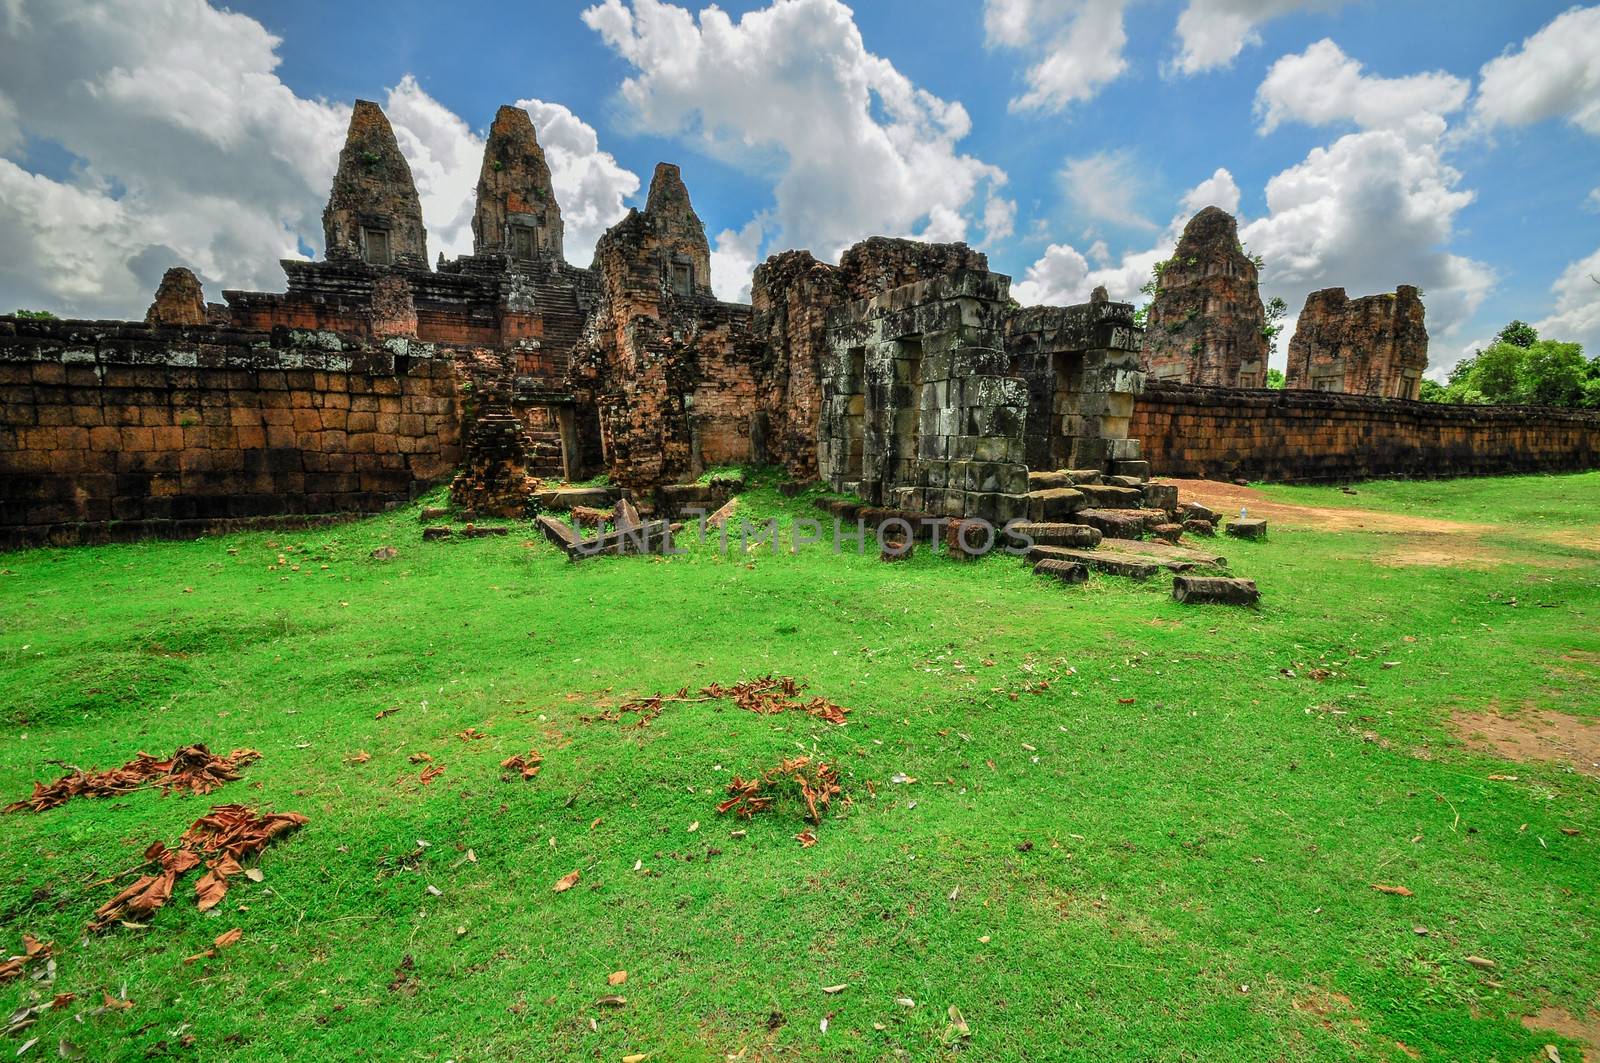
(1520, 368)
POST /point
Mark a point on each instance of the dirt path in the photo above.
(1227, 499)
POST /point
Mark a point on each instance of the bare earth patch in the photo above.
(1420, 541)
(1585, 1031)
(1227, 499)
(1534, 734)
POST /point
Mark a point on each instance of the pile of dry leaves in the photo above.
(193, 769)
(527, 764)
(767, 695)
(220, 839)
(32, 950)
(817, 783)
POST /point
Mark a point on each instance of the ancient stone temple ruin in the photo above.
(1206, 324)
(905, 374)
(1375, 345)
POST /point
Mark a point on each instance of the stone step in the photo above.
(1111, 562)
(1166, 551)
(1109, 496)
(1079, 535)
(1065, 571)
(1055, 503)
(1114, 523)
(567, 497)
(1042, 479)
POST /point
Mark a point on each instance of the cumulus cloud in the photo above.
(589, 184)
(733, 261)
(1555, 74)
(1105, 185)
(1075, 47)
(187, 149)
(1063, 274)
(1212, 33)
(1322, 85)
(1576, 317)
(790, 90)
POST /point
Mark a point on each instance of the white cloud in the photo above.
(733, 261)
(1062, 276)
(589, 184)
(445, 158)
(1212, 33)
(1592, 203)
(1555, 74)
(1104, 186)
(790, 90)
(189, 150)
(1576, 318)
(1368, 212)
(1322, 85)
(1075, 47)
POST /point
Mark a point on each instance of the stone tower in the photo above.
(373, 213)
(1205, 325)
(1375, 345)
(517, 213)
(686, 255)
(179, 301)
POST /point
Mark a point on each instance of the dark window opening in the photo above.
(523, 242)
(855, 417)
(682, 278)
(376, 244)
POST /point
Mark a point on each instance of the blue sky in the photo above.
(1090, 130)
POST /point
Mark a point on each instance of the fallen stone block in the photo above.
(563, 498)
(895, 550)
(1169, 532)
(473, 531)
(1054, 503)
(1111, 562)
(1083, 476)
(1166, 552)
(1196, 526)
(430, 534)
(1195, 511)
(1220, 589)
(589, 517)
(1160, 496)
(1109, 496)
(1045, 480)
(434, 513)
(968, 540)
(722, 516)
(1079, 535)
(1125, 481)
(558, 532)
(1065, 571)
(1136, 469)
(385, 553)
(1247, 528)
(795, 488)
(1114, 523)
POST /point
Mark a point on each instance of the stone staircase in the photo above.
(542, 455)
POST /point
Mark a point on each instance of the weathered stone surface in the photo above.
(373, 213)
(1206, 323)
(1168, 532)
(1054, 503)
(1112, 562)
(1160, 496)
(1063, 570)
(1247, 528)
(1323, 437)
(1111, 496)
(1114, 523)
(517, 213)
(1375, 345)
(180, 300)
(437, 532)
(1219, 589)
(1057, 534)
(1196, 526)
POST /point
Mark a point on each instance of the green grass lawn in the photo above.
(1137, 830)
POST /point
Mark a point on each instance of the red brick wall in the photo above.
(1221, 433)
(121, 430)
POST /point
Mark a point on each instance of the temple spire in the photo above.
(517, 213)
(373, 212)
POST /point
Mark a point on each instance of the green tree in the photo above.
(1544, 373)
(1518, 334)
(1276, 379)
(1276, 310)
(37, 315)
(1555, 374)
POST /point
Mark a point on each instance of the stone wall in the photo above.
(116, 430)
(1226, 434)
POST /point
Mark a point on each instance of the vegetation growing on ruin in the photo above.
(1123, 828)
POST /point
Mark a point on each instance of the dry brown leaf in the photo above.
(360, 756)
(228, 937)
(1398, 891)
(833, 989)
(430, 774)
(611, 1000)
(192, 769)
(616, 977)
(565, 882)
(637, 1057)
(116, 1003)
(420, 758)
(1480, 962)
(806, 839)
